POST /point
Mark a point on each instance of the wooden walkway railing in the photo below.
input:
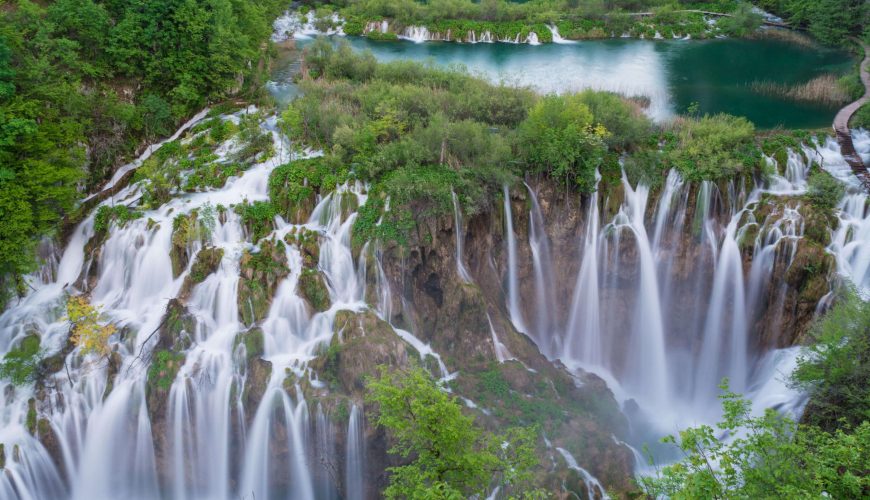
(841, 125)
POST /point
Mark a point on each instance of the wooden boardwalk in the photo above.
(841, 125)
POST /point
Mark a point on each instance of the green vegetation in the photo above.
(771, 456)
(824, 190)
(84, 82)
(713, 148)
(831, 21)
(836, 366)
(164, 367)
(416, 133)
(861, 118)
(768, 457)
(119, 214)
(20, 365)
(257, 217)
(450, 456)
(576, 19)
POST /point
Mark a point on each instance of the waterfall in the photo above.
(557, 38)
(584, 340)
(354, 468)
(513, 294)
(532, 39)
(647, 363)
(501, 352)
(416, 34)
(457, 226)
(545, 297)
(590, 481)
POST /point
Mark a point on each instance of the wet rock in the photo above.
(185, 230)
(261, 273)
(206, 262)
(177, 329)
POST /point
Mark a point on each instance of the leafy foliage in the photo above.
(768, 456)
(87, 331)
(835, 368)
(713, 148)
(20, 365)
(451, 456)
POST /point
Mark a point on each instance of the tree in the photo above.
(450, 456)
(87, 330)
(21, 364)
(764, 457)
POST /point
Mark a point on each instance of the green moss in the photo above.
(164, 367)
(313, 289)
(253, 341)
(30, 422)
(207, 262)
(293, 187)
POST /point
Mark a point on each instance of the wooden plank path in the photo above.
(841, 124)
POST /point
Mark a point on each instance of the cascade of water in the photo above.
(457, 226)
(513, 294)
(502, 353)
(584, 340)
(647, 370)
(725, 330)
(557, 38)
(416, 34)
(354, 464)
(545, 297)
(849, 241)
(325, 457)
(591, 482)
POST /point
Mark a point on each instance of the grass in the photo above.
(824, 89)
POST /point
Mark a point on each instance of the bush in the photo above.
(824, 190)
(713, 148)
(835, 368)
(451, 457)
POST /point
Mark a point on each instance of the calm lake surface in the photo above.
(673, 74)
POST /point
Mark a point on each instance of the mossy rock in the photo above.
(260, 274)
(307, 241)
(30, 421)
(164, 368)
(253, 341)
(206, 263)
(184, 232)
(360, 342)
(257, 378)
(177, 329)
(313, 289)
